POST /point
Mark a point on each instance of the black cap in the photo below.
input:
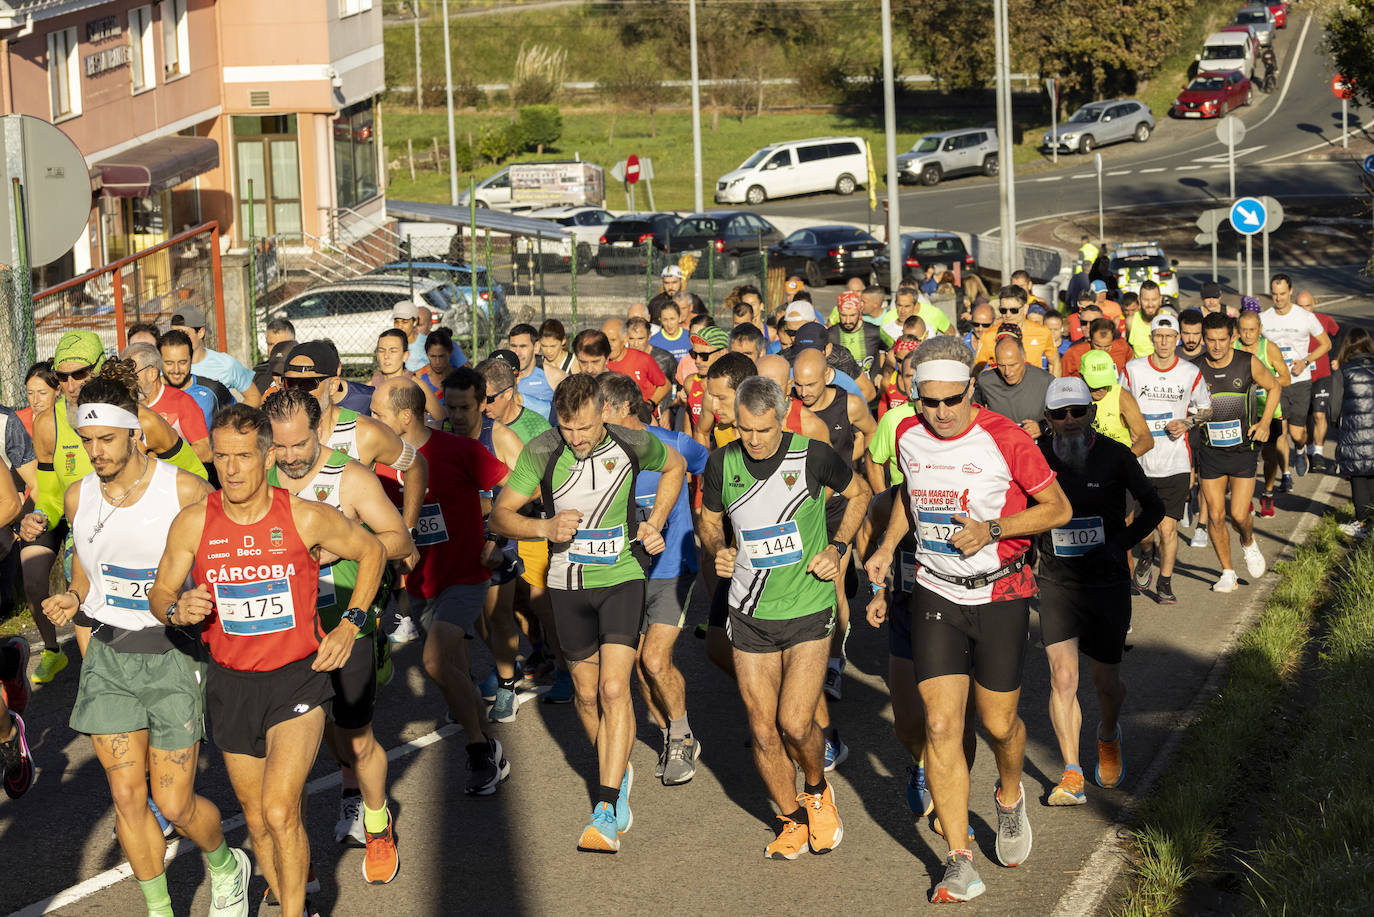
(508, 357)
(189, 317)
(276, 362)
(313, 358)
(1211, 290)
(811, 336)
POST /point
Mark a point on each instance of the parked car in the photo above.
(959, 152)
(737, 238)
(351, 313)
(1249, 32)
(836, 164)
(529, 185)
(1259, 18)
(460, 276)
(1280, 11)
(824, 253)
(1100, 123)
(1133, 263)
(1227, 51)
(919, 249)
(621, 247)
(586, 224)
(1212, 94)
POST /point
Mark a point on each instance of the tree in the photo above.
(636, 81)
(952, 40)
(1349, 41)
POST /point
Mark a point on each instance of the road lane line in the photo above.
(1292, 69)
(1120, 172)
(1187, 168)
(181, 846)
(1050, 178)
(1084, 175)
(1148, 171)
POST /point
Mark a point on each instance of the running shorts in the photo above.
(758, 635)
(1173, 490)
(987, 641)
(355, 685)
(459, 605)
(163, 693)
(1098, 616)
(1321, 395)
(535, 555)
(1295, 399)
(1221, 463)
(665, 600)
(244, 706)
(587, 618)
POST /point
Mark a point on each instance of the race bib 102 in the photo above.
(1081, 535)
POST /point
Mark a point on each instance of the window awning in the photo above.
(157, 165)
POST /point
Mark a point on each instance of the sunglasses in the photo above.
(697, 355)
(304, 383)
(76, 375)
(491, 399)
(982, 324)
(951, 401)
(1079, 411)
(1008, 311)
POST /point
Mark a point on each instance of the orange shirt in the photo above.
(1035, 338)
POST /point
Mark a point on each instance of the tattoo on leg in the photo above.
(120, 766)
(166, 781)
(180, 758)
(119, 745)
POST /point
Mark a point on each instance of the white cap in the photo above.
(672, 270)
(800, 312)
(1067, 391)
(1165, 320)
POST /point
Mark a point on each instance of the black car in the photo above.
(824, 253)
(735, 238)
(621, 248)
(920, 249)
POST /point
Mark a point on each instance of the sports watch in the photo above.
(840, 547)
(995, 530)
(355, 616)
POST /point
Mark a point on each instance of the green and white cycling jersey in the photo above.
(337, 579)
(777, 510)
(601, 487)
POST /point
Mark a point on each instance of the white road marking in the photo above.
(1148, 171)
(1220, 158)
(1120, 172)
(1084, 175)
(180, 846)
(1051, 178)
(1288, 79)
(1187, 168)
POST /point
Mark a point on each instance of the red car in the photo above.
(1280, 11)
(1212, 95)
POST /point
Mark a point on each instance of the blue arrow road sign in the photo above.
(1369, 163)
(1247, 216)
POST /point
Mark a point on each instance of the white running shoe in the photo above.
(1199, 537)
(1227, 582)
(1254, 560)
(349, 828)
(1355, 530)
(405, 632)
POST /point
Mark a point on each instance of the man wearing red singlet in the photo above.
(252, 552)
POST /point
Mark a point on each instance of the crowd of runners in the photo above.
(244, 547)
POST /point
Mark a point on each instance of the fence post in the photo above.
(252, 271)
(572, 264)
(539, 263)
(217, 284)
(710, 277)
(648, 270)
(763, 279)
(491, 291)
(472, 252)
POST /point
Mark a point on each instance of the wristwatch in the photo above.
(415, 534)
(355, 616)
(171, 610)
(840, 547)
(995, 530)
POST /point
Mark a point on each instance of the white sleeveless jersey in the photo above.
(1165, 395)
(344, 436)
(121, 559)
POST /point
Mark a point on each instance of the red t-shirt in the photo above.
(264, 581)
(893, 397)
(640, 367)
(451, 530)
(1322, 368)
(182, 412)
(696, 394)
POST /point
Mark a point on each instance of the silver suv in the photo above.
(949, 153)
(1099, 123)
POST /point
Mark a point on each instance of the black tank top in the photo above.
(837, 421)
(1233, 403)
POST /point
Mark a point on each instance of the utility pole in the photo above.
(696, 109)
(448, 95)
(1006, 171)
(895, 256)
(419, 80)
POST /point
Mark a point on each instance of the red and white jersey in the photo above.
(1165, 395)
(988, 472)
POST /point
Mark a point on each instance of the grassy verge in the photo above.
(1315, 854)
(1181, 828)
(1202, 19)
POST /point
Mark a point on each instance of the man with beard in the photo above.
(535, 383)
(1190, 345)
(176, 349)
(311, 472)
(1084, 577)
(1138, 331)
(862, 339)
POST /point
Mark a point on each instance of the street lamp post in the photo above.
(696, 109)
(1006, 170)
(894, 219)
(448, 96)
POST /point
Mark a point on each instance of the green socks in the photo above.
(374, 820)
(220, 859)
(155, 894)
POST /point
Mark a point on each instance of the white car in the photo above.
(587, 225)
(1133, 263)
(1228, 51)
(836, 164)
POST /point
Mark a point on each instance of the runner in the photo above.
(773, 485)
(536, 382)
(1227, 457)
(596, 579)
(1275, 446)
(1035, 340)
(552, 350)
(636, 364)
(862, 339)
(1321, 382)
(895, 384)
(176, 349)
(1117, 414)
(172, 404)
(250, 549)
(1012, 387)
(1084, 574)
(16, 763)
(882, 467)
(1140, 328)
(1293, 329)
(141, 697)
(708, 345)
(671, 336)
(451, 580)
(213, 364)
(310, 472)
(1174, 399)
(977, 489)
(391, 364)
(1190, 345)
(668, 588)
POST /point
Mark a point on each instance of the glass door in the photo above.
(266, 153)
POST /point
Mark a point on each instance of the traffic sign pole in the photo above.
(1345, 134)
(1249, 262)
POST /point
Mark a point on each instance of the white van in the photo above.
(1227, 51)
(796, 167)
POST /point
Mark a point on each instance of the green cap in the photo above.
(79, 346)
(713, 336)
(1097, 369)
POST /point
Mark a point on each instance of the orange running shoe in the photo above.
(792, 841)
(1070, 790)
(1109, 764)
(380, 862)
(823, 819)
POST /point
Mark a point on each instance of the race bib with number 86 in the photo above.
(431, 528)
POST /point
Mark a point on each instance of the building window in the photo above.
(176, 40)
(64, 73)
(353, 7)
(142, 64)
(355, 155)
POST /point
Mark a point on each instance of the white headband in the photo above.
(106, 415)
(942, 371)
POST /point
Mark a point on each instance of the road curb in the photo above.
(1104, 865)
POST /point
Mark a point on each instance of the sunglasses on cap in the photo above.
(491, 399)
(1079, 411)
(76, 375)
(304, 383)
(951, 401)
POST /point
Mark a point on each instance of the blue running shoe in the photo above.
(487, 686)
(503, 707)
(835, 752)
(917, 793)
(624, 818)
(600, 835)
(561, 692)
